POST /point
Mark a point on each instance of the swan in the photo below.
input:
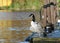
(35, 26)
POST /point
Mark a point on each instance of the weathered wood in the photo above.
(44, 15)
(45, 40)
(52, 12)
(55, 10)
(49, 12)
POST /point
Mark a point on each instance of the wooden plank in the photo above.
(45, 40)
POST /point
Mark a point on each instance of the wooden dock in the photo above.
(45, 40)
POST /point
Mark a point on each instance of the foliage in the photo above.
(58, 2)
(24, 5)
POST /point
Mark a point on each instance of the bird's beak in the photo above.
(30, 15)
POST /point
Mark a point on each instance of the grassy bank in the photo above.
(19, 5)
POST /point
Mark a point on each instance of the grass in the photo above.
(25, 5)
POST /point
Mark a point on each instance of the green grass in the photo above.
(25, 5)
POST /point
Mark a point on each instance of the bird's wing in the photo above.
(32, 29)
(40, 28)
(36, 22)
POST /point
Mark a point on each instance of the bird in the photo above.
(49, 28)
(35, 26)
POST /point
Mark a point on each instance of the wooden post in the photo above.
(48, 12)
(44, 15)
(55, 10)
(52, 11)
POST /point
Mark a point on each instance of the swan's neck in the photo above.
(33, 18)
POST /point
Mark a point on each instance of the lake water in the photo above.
(23, 16)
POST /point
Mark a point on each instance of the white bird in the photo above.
(35, 26)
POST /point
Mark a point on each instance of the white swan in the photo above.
(35, 27)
